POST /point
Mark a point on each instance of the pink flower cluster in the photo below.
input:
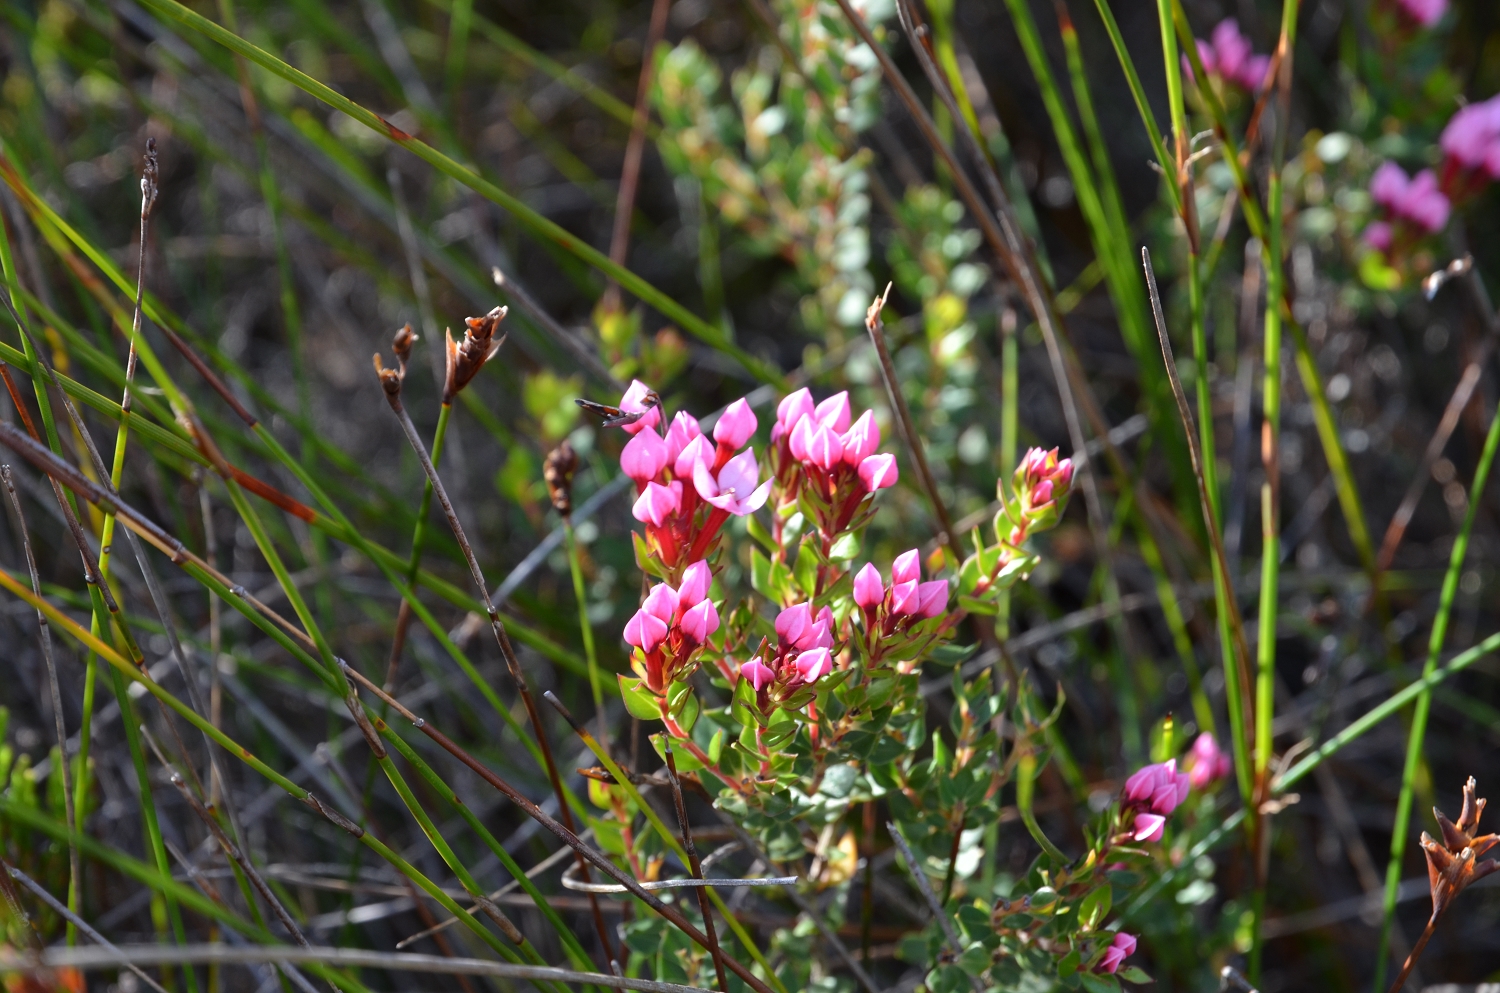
(803, 655)
(817, 450)
(1120, 948)
(671, 626)
(1041, 484)
(1230, 57)
(677, 474)
(1471, 146)
(1205, 762)
(1414, 206)
(906, 602)
(1154, 792)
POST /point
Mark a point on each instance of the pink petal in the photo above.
(736, 425)
(868, 589)
(759, 675)
(1149, 827)
(634, 400)
(696, 579)
(878, 472)
(907, 567)
(661, 602)
(645, 630)
(643, 456)
(655, 504)
(833, 413)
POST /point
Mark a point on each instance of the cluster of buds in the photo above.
(1151, 794)
(829, 463)
(1041, 484)
(1228, 55)
(803, 654)
(1206, 763)
(1452, 864)
(1121, 947)
(1414, 207)
(670, 629)
(687, 486)
(895, 610)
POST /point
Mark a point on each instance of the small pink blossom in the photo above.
(868, 589)
(661, 602)
(1417, 199)
(736, 425)
(1472, 137)
(878, 471)
(700, 621)
(758, 673)
(790, 410)
(814, 664)
(833, 413)
(634, 401)
(657, 502)
(1121, 948)
(696, 579)
(1207, 761)
(735, 489)
(907, 567)
(802, 431)
(1230, 57)
(932, 598)
(1378, 235)
(645, 630)
(793, 622)
(905, 599)
(700, 449)
(683, 430)
(861, 440)
(1149, 827)
(643, 456)
(1159, 787)
(824, 449)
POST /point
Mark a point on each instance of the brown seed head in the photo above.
(466, 358)
(1453, 864)
(402, 345)
(390, 381)
(557, 472)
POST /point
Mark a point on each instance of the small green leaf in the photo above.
(845, 548)
(1095, 906)
(1133, 974)
(638, 700)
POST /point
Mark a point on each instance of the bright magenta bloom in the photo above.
(699, 621)
(868, 589)
(645, 630)
(1121, 948)
(696, 451)
(1159, 787)
(878, 471)
(833, 413)
(861, 440)
(907, 567)
(736, 425)
(735, 489)
(814, 664)
(932, 598)
(634, 401)
(696, 579)
(683, 430)
(789, 411)
(758, 673)
(643, 457)
(657, 502)
(1149, 827)
(1229, 56)
(1206, 762)
(1417, 199)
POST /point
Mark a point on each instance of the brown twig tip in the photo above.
(402, 344)
(872, 314)
(557, 473)
(479, 345)
(150, 179)
(390, 380)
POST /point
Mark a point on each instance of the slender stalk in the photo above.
(1411, 960)
(1401, 826)
(585, 626)
(695, 865)
(925, 887)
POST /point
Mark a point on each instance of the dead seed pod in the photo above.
(466, 358)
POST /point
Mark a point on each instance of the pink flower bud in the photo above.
(878, 471)
(818, 635)
(700, 449)
(758, 673)
(1042, 495)
(1159, 787)
(802, 431)
(656, 503)
(1207, 761)
(661, 602)
(634, 401)
(904, 598)
(1149, 827)
(684, 429)
(645, 630)
(790, 410)
(932, 598)
(696, 579)
(814, 664)
(700, 621)
(736, 425)
(1121, 948)
(868, 589)
(907, 567)
(643, 456)
(862, 439)
(792, 623)
(833, 413)
(824, 449)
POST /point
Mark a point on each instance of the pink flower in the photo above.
(932, 598)
(861, 440)
(1388, 185)
(684, 429)
(813, 665)
(696, 579)
(1208, 761)
(868, 589)
(696, 451)
(1425, 12)
(1473, 135)
(643, 456)
(790, 410)
(1149, 827)
(735, 490)
(645, 630)
(1159, 787)
(1230, 57)
(657, 502)
(1417, 199)
(700, 621)
(661, 602)
(878, 471)
(802, 430)
(907, 567)
(833, 413)
(905, 599)
(792, 623)
(824, 449)
(736, 425)
(633, 401)
(758, 673)
(1121, 948)
(1378, 235)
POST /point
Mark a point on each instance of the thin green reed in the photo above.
(1400, 828)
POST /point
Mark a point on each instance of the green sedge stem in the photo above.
(585, 627)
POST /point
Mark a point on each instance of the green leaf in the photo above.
(1095, 906)
(845, 548)
(638, 700)
(1133, 974)
(759, 533)
(716, 746)
(1097, 983)
(1068, 965)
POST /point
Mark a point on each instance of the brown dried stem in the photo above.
(695, 865)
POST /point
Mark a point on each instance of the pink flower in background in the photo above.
(735, 488)
(1425, 13)
(1471, 142)
(759, 674)
(1230, 57)
(1416, 199)
(634, 401)
(1206, 761)
(1378, 235)
(657, 502)
(1159, 787)
(736, 425)
(1120, 948)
